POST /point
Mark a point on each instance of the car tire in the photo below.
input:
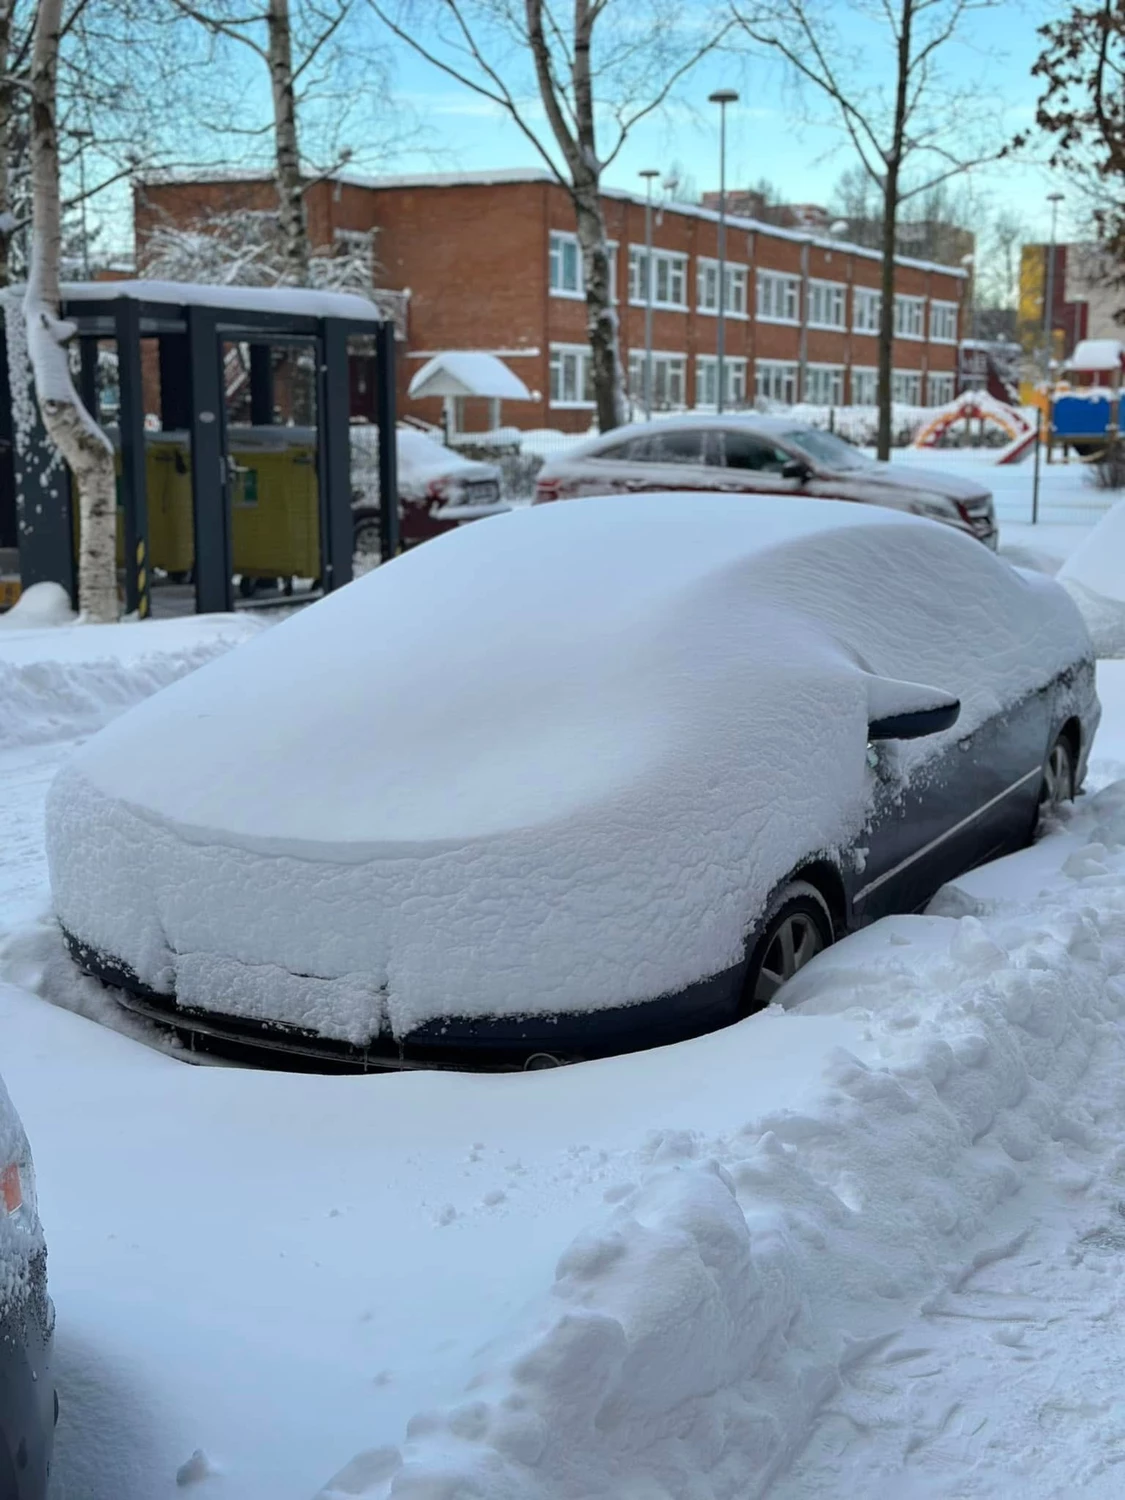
(367, 536)
(796, 926)
(1057, 785)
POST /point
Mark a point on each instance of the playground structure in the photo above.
(1084, 410)
(978, 407)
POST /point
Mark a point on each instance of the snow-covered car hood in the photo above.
(550, 762)
(908, 477)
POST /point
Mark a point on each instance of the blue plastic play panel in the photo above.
(1077, 416)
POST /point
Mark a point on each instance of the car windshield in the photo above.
(826, 449)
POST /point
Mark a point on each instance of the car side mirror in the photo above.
(916, 723)
(797, 469)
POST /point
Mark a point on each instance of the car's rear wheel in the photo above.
(797, 926)
(1057, 785)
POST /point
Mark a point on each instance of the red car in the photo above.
(437, 488)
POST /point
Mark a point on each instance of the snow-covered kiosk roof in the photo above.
(162, 302)
(1097, 356)
(467, 372)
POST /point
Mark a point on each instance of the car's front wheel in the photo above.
(1057, 785)
(797, 926)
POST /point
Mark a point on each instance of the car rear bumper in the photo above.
(28, 1405)
(500, 1045)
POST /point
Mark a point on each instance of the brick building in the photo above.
(491, 262)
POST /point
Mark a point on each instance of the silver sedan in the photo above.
(760, 455)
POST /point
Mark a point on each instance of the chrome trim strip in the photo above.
(949, 833)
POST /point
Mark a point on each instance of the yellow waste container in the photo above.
(275, 520)
(274, 501)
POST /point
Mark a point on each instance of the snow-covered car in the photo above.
(28, 1406)
(437, 488)
(641, 762)
(760, 455)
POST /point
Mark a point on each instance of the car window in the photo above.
(621, 451)
(742, 450)
(826, 448)
(684, 447)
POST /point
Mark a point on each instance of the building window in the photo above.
(572, 375)
(865, 386)
(826, 304)
(669, 278)
(776, 381)
(824, 385)
(906, 387)
(779, 297)
(939, 389)
(669, 379)
(564, 267)
(707, 380)
(910, 317)
(943, 322)
(707, 288)
(867, 309)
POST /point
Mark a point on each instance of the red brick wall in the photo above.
(474, 257)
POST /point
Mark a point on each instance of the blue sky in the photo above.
(772, 133)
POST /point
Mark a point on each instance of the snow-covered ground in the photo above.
(870, 1245)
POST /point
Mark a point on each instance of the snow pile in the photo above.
(40, 606)
(744, 1278)
(57, 681)
(509, 821)
(1094, 574)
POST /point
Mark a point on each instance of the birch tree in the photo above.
(268, 34)
(15, 45)
(70, 427)
(593, 75)
(912, 134)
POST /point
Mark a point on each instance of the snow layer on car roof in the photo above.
(553, 761)
(752, 421)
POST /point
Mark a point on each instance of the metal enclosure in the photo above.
(190, 331)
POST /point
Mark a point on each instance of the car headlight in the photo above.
(936, 507)
(17, 1192)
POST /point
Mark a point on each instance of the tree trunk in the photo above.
(290, 189)
(69, 426)
(601, 315)
(579, 147)
(7, 219)
(890, 227)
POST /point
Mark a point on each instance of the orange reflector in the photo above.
(10, 1188)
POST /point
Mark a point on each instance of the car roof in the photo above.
(755, 422)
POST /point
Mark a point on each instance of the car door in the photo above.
(672, 458)
(943, 806)
(751, 463)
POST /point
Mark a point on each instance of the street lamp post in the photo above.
(648, 174)
(1054, 199)
(82, 136)
(722, 97)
